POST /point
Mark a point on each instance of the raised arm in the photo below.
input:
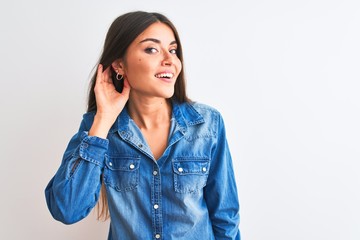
(74, 190)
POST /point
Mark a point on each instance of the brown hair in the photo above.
(120, 35)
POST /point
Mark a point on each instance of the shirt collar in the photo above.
(184, 113)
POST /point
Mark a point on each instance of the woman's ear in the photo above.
(118, 66)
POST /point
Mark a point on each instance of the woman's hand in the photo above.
(109, 102)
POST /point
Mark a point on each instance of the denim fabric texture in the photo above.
(188, 193)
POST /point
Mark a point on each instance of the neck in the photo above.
(150, 113)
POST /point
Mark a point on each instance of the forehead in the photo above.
(159, 31)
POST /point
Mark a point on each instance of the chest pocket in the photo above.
(122, 173)
(190, 174)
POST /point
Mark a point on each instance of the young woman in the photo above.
(162, 162)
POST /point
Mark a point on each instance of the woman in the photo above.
(163, 161)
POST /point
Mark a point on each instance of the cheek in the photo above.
(178, 65)
(139, 69)
(137, 66)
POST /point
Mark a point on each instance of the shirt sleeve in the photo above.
(220, 191)
(74, 190)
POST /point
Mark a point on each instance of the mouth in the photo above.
(166, 75)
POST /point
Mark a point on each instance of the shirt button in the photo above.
(140, 145)
(157, 236)
(156, 206)
(110, 164)
(155, 173)
(204, 169)
(180, 169)
(132, 166)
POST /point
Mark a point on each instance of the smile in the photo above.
(164, 75)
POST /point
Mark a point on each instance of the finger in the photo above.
(99, 74)
(107, 75)
(103, 76)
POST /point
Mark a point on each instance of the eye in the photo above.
(151, 50)
(173, 51)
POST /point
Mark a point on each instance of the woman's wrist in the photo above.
(101, 126)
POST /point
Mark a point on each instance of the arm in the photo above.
(74, 190)
(220, 191)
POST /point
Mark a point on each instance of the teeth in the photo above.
(164, 75)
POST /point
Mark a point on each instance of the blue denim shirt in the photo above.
(188, 193)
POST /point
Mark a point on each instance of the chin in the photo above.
(166, 93)
(170, 94)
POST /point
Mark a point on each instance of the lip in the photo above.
(167, 80)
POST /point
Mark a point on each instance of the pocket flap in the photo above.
(127, 163)
(191, 167)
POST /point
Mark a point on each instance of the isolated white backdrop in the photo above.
(284, 74)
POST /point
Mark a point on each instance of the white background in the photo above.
(284, 74)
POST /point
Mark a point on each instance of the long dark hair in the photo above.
(121, 34)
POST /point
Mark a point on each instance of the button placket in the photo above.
(156, 202)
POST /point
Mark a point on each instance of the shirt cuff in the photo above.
(93, 149)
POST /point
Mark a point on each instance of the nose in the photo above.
(167, 59)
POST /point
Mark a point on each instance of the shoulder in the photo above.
(204, 109)
(88, 119)
(206, 113)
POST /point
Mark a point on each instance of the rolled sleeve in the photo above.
(93, 149)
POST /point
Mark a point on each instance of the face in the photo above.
(151, 65)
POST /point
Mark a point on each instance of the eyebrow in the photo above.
(156, 41)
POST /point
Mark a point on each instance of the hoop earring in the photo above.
(119, 78)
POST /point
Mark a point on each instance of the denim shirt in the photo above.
(188, 193)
